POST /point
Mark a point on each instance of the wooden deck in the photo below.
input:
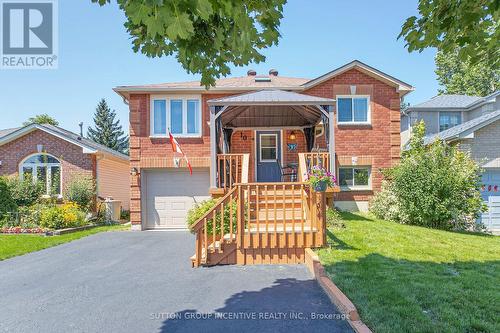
(256, 223)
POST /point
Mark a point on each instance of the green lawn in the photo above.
(411, 279)
(15, 245)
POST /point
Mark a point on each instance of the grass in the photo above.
(16, 245)
(412, 279)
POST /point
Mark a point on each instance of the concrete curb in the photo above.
(334, 293)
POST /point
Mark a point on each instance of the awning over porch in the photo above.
(271, 108)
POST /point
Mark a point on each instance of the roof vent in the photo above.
(273, 72)
(262, 79)
(251, 72)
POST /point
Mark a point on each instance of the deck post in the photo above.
(331, 139)
(213, 149)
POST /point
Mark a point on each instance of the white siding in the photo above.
(113, 180)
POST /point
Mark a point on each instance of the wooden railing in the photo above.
(232, 169)
(279, 210)
(216, 227)
(308, 160)
(256, 216)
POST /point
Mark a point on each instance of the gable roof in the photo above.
(272, 97)
(6, 131)
(465, 129)
(89, 146)
(460, 102)
(402, 86)
(260, 82)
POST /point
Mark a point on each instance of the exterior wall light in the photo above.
(133, 171)
(292, 136)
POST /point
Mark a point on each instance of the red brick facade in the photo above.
(73, 161)
(377, 144)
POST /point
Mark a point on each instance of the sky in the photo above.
(95, 55)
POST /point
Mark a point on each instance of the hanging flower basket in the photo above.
(320, 179)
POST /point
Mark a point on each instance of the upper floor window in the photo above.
(180, 115)
(353, 109)
(449, 119)
(45, 169)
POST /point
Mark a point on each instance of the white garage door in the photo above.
(170, 193)
(491, 197)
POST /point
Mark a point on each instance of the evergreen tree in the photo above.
(107, 131)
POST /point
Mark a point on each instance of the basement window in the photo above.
(354, 178)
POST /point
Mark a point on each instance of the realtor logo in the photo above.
(29, 34)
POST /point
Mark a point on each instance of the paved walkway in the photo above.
(143, 282)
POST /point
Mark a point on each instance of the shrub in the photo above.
(25, 217)
(434, 186)
(82, 191)
(7, 203)
(385, 204)
(63, 216)
(25, 192)
(125, 215)
(201, 208)
(333, 218)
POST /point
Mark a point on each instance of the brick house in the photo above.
(55, 156)
(260, 129)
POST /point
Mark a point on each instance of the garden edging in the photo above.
(334, 293)
(69, 230)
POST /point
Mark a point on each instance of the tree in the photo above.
(463, 77)
(204, 35)
(435, 186)
(107, 131)
(469, 26)
(41, 119)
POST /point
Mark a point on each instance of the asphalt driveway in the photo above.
(143, 282)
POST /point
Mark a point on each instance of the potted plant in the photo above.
(320, 179)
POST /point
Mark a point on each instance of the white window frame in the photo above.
(369, 111)
(167, 99)
(48, 175)
(260, 147)
(354, 186)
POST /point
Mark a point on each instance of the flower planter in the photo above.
(321, 186)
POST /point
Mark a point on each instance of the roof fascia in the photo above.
(30, 128)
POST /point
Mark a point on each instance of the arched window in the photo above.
(44, 168)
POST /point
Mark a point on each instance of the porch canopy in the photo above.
(268, 109)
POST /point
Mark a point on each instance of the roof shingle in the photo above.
(455, 131)
(447, 101)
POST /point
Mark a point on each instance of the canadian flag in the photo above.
(176, 148)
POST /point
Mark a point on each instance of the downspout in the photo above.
(331, 139)
(213, 152)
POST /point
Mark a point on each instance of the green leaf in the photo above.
(204, 9)
(181, 27)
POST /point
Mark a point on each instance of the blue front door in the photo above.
(268, 146)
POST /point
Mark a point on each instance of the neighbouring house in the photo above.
(55, 156)
(254, 129)
(474, 123)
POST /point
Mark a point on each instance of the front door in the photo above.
(268, 154)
